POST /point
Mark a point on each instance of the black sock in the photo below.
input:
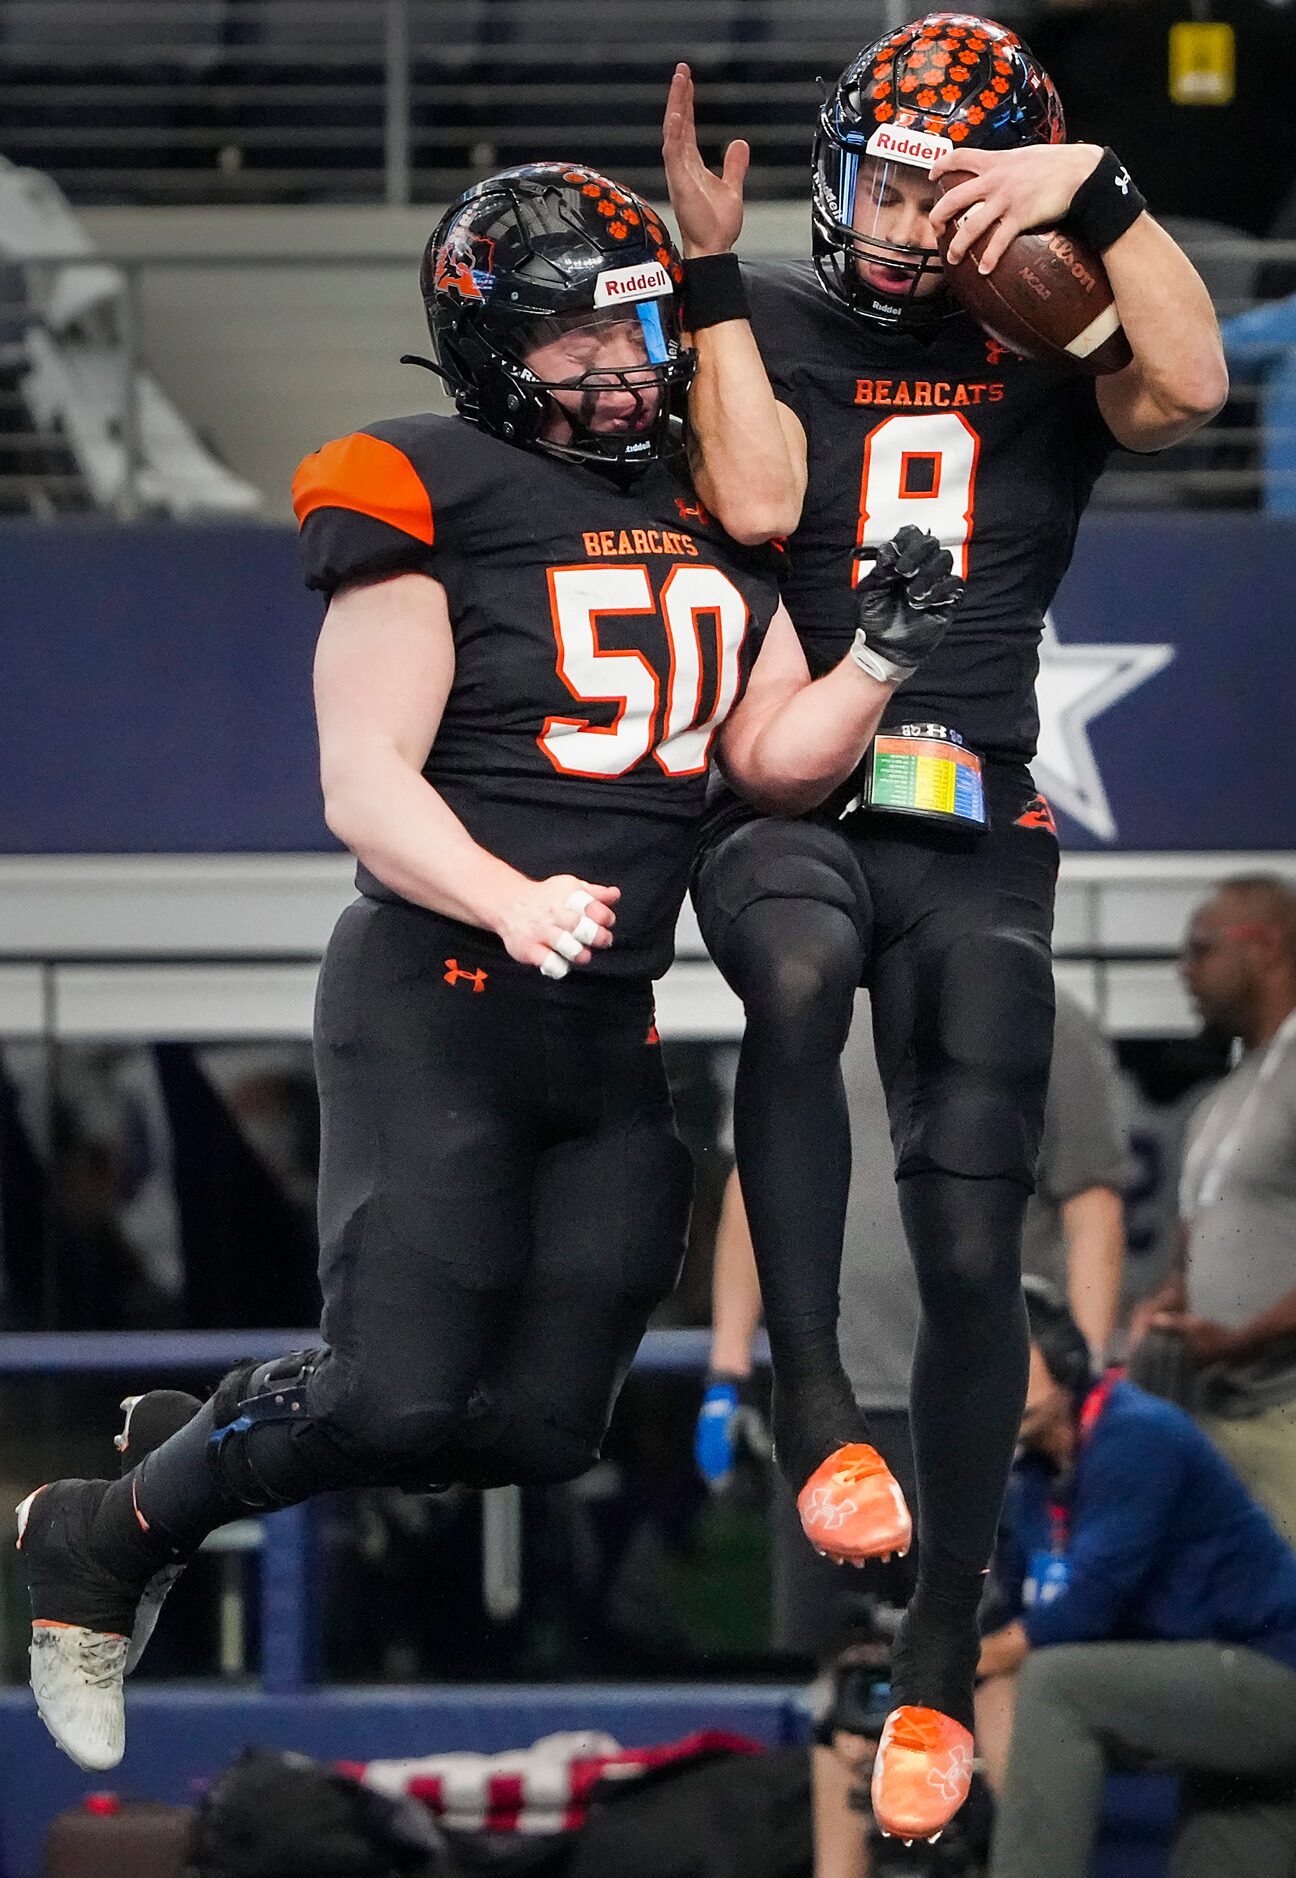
(934, 1658)
(813, 1411)
(164, 1508)
(972, 1355)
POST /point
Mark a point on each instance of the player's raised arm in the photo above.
(748, 450)
(1177, 379)
(383, 670)
(791, 741)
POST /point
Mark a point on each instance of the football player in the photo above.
(534, 633)
(930, 874)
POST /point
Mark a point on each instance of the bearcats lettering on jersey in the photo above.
(603, 629)
(996, 455)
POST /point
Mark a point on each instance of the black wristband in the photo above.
(713, 291)
(1105, 204)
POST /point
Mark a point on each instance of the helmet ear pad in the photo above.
(501, 402)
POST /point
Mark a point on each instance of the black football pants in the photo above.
(503, 1201)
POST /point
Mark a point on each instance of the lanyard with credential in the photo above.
(1211, 1183)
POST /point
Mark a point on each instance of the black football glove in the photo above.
(904, 605)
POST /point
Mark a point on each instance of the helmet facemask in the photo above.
(618, 401)
(862, 200)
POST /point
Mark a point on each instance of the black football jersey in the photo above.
(603, 629)
(995, 454)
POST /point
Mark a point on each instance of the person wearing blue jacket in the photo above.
(1260, 344)
(1143, 1612)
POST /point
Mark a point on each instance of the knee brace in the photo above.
(257, 1395)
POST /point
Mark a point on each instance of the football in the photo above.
(1048, 298)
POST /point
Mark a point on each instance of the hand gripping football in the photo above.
(1049, 297)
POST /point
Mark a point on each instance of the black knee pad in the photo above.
(545, 1454)
(981, 1063)
(778, 860)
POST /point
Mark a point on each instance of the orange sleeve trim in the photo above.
(372, 477)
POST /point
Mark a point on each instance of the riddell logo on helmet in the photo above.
(618, 284)
(918, 147)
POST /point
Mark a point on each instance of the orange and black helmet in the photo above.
(527, 254)
(949, 77)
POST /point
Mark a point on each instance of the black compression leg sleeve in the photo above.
(970, 1364)
(796, 964)
(969, 1384)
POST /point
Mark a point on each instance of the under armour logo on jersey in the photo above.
(692, 511)
(1037, 814)
(996, 353)
(455, 971)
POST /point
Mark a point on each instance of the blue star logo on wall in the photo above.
(1075, 685)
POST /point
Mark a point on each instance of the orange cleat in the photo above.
(922, 1773)
(852, 1508)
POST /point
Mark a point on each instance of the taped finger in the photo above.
(554, 967)
(578, 900)
(569, 945)
(585, 932)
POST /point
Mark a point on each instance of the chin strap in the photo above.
(429, 365)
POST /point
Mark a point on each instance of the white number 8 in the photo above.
(920, 470)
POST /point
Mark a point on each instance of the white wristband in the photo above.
(883, 669)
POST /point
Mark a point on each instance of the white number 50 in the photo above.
(679, 733)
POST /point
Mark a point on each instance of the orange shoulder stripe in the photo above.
(365, 474)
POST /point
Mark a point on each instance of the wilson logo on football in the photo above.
(618, 285)
(918, 147)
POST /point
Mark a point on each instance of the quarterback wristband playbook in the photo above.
(923, 770)
(1105, 204)
(713, 291)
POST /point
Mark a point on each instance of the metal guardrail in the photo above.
(156, 1352)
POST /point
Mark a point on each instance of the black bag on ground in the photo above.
(738, 1816)
(284, 1816)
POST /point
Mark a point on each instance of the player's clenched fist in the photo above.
(904, 604)
(558, 923)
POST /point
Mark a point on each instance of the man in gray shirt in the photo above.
(1234, 1297)
(1074, 1235)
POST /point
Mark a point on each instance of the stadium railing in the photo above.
(1246, 457)
(396, 100)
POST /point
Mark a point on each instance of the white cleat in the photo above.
(76, 1677)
